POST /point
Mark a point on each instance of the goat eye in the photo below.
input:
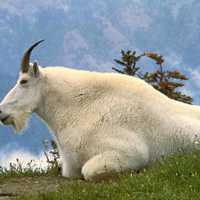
(23, 82)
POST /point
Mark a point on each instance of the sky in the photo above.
(89, 35)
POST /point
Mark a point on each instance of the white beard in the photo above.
(20, 122)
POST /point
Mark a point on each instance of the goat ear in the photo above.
(35, 69)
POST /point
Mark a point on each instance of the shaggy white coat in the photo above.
(107, 122)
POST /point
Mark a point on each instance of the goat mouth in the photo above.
(6, 120)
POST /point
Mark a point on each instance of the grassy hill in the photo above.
(177, 177)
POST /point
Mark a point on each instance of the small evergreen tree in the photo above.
(128, 61)
(164, 81)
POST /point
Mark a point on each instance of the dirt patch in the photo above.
(15, 186)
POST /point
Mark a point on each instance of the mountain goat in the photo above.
(103, 122)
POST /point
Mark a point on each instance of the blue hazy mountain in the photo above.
(89, 35)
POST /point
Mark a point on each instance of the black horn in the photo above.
(26, 57)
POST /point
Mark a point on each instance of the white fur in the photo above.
(107, 122)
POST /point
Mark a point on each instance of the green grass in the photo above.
(17, 170)
(177, 177)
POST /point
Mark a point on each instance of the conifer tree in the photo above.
(166, 81)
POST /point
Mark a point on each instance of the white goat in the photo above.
(103, 122)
